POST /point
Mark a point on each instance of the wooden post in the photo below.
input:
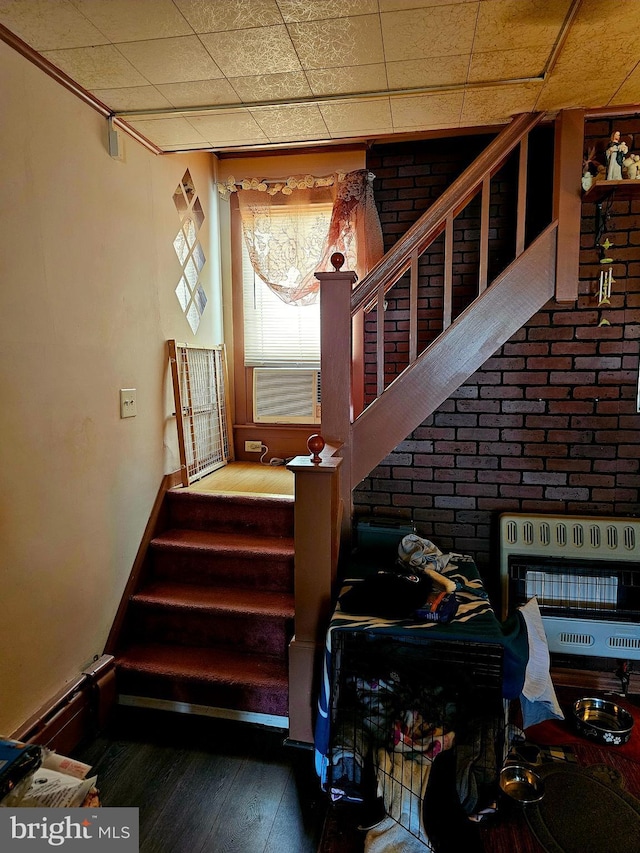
(316, 519)
(335, 342)
(567, 201)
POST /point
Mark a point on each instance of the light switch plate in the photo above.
(128, 406)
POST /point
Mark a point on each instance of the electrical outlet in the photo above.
(128, 408)
(253, 446)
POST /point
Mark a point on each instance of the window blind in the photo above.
(277, 334)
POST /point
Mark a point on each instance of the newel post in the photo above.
(336, 351)
(316, 524)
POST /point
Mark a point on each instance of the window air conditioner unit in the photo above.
(286, 395)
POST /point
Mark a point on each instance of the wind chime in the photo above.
(606, 279)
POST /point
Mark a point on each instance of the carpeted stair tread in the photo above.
(216, 599)
(215, 677)
(236, 544)
(233, 513)
(224, 665)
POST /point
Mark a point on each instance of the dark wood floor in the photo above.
(207, 785)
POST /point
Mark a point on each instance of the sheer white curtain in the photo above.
(291, 229)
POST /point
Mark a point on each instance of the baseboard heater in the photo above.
(77, 711)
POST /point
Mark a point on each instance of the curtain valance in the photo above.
(291, 228)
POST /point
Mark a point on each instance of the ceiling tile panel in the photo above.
(290, 122)
(271, 87)
(599, 78)
(338, 43)
(100, 67)
(174, 131)
(423, 73)
(124, 20)
(400, 5)
(498, 104)
(358, 117)
(303, 10)
(508, 64)
(429, 32)
(133, 98)
(199, 93)
(629, 91)
(236, 127)
(339, 81)
(264, 50)
(172, 60)
(213, 16)
(49, 24)
(420, 112)
(529, 23)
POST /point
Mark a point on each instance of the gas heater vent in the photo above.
(624, 643)
(576, 639)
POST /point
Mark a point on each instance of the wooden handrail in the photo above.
(454, 199)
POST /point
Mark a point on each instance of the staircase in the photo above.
(204, 625)
(208, 627)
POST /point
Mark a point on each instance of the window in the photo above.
(276, 333)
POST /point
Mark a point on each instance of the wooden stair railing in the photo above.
(499, 309)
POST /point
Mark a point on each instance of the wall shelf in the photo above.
(624, 189)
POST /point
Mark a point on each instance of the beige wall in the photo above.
(87, 301)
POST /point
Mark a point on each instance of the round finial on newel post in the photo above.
(316, 444)
(337, 260)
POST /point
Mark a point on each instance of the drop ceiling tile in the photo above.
(424, 73)
(338, 43)
(49, 24)
(123, 20)
(263, 50)
(508, 64)
(399, 5)
(132, 98)
(199, 93)
(428, 32)
(362, 117)
(176, 131)
(303, 10)
(629, 92)
(596, 85)
(233, 127)
(271, 87)
(498, 104)
(567, 92)
(99, 67)
(291, 122)
(171, 60)
(415, 112)
(212, 16)
(527, 23)
(340, 81)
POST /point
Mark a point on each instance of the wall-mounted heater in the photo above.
(585, 574)
(286, 395)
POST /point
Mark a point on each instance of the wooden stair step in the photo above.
(254, 622)
(215, 600)
(236, 544)
(222, 678)
(201, 557)
(231, 513)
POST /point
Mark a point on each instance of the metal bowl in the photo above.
(602, 721)
(521, 784)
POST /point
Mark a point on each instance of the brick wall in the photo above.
(549, 423)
